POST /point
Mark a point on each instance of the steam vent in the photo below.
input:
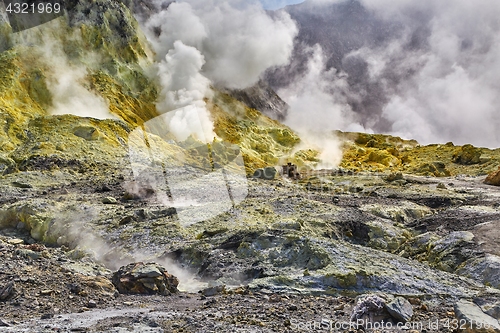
(265, 166)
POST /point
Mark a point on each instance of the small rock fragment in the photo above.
(400, 309)
(212, 291)
(47, 316)
(15, 241)
(25, 253)
(109, 201)
(21, 184)
(88, 133)
(7, 291)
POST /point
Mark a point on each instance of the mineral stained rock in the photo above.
(493, 178)
(140, 278)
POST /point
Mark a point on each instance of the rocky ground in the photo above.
(292, 256)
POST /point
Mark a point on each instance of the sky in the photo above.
(275, 4)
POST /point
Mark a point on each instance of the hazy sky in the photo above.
(275, 4)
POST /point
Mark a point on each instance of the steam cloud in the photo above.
(65, 79)
(425, 70)
(199, 43)
(315, 108)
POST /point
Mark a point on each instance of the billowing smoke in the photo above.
(69, 94)
(425, 70)
(316, 109)
(202, 43)
(66, 80)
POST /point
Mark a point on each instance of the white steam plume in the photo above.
(65, 80)
(238, 39)
(316, 109)
(434, 70)
(183, 91)
(198, 43)
(70, 96)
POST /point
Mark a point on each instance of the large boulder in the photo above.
(493, 178)
(148, 279)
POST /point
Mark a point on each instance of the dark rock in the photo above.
(86, 132)
(126, 220)
(25, 253)
(140, 278)
(483, 269)
(21, 185)
(75, 288)
(290, 170)
(370, 308)
(268, 173)
(47, 316)
(258, 173)
(400, 309)
(263, 98)
(92, 304)
(7, 291)
(491, 308)
(441, 186)
(104, 188)
(467, 155)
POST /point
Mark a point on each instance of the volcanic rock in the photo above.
(484, 269)
(491, 308)
(467, 155)
(369, 308)
(140, 278)
(267, 173)
(400, 309)
(109, 200)
(7, 291)
(493, 178)
(476, 319)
